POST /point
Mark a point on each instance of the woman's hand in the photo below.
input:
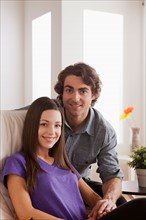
(102, 207)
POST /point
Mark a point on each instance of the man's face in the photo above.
(77, 96)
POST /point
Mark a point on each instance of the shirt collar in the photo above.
(88, 126)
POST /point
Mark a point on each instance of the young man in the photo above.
(89, 137)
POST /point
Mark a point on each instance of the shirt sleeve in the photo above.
(108, 164)
(14, 164)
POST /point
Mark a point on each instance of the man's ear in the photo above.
(93, 96)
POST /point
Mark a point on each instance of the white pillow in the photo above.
(11, 125)
(11, 132)
(7, 211)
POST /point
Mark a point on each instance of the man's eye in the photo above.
(83, 91)
(68, 90)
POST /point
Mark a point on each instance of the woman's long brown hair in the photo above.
(30, 140)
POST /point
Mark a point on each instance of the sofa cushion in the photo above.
(11, 125)
(6, 208)
(11, 132)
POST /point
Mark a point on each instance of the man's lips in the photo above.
(75, 105)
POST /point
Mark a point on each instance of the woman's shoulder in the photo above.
(14, 164)
(16, 157)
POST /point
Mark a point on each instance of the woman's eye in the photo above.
(58, 126)
(43, 124)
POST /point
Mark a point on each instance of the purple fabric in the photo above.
(56, 191)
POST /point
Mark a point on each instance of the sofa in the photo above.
(11, 124)
(10, 136)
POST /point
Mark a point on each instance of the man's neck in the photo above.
(75, 122)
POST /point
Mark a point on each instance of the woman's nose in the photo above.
(50, 130)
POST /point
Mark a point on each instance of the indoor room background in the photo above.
(40, 38)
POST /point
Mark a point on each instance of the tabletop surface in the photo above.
(131, 187)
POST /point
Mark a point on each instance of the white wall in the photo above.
(144, 75)
(67, 48)
(12, 54)
(133, 69)
(16, 44)
(34, 9)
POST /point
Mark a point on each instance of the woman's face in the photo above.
(49, 129)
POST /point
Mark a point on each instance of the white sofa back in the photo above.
(11, 125)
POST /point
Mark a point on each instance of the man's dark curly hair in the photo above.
(88, 75)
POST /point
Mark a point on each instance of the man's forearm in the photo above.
(112, 189)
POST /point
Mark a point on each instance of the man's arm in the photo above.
(112, 189)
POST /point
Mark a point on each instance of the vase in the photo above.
(141, 177)
(135, 138)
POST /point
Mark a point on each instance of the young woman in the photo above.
(43, 184)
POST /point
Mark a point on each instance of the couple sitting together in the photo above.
(48, 178)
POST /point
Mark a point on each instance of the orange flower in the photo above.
(129, 109)
(127, 112)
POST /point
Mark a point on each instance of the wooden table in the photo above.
(131, 188)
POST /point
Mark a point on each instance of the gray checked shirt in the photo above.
(95, 142)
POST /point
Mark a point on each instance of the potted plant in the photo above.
(138, 162)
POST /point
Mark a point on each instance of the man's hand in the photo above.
(102, 207)
(112, 189)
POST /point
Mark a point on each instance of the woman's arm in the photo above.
(21, 200)
(88, 195)
(100, 206)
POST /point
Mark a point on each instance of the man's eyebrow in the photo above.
(86, 88)
(68, 86)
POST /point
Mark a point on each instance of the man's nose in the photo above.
(75, 96)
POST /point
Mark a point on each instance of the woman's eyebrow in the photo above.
(44, 120)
